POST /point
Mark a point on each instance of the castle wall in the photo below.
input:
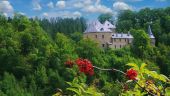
(120, 42)
(101, 37)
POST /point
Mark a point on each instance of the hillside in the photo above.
(39, 57)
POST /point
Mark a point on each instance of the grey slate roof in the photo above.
(122, 35)
(96, 26)
(150, 32)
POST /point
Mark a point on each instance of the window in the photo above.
(128, 41)
(120, 46)
(125, 39)
(114, 39)
(96, 36)
(102, 36)
(102, 45)
(120, 40)
(101, 29)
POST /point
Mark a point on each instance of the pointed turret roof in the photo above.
(150, 32)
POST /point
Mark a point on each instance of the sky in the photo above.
(89, 9)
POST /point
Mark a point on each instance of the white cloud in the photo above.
(78, 5)
(61, 4)
(121, 6)
(77, 14)
(36, 5)
(92, 6)
(62, 14)
(97, 1)
(21, 13)
(97, 9)
(87, 2)
(5, 7)
(81, 4)
(50, 5)
(45, 14)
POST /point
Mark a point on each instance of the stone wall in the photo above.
(120, 42)
(105, 40)
(101, 37)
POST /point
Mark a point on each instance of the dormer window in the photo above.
(101, 29)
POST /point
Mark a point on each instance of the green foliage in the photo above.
(141, 44)
(167, 91)
(11, 87)
(125, 21)
(66, 26)
(113, 88)
(159, 19)
(103, 17)
(162, 59)
(81, 89)
(86, 47)
(76, 36)
(148, 80)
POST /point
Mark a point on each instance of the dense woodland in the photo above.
(33, 52)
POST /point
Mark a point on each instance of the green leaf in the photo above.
(69, 83)
(156, 75)
(143, 66)
(167, 91)
(74, 90)
(133, 65)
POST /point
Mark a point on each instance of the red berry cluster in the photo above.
(85, 66)
(131, 74)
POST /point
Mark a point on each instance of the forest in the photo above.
(37, 56)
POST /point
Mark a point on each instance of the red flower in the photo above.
(131, 74)
(85, 66)
(69, 63)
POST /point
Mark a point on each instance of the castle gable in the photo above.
(96, 26)
(108, 25)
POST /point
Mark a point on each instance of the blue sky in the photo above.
(89, 9)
